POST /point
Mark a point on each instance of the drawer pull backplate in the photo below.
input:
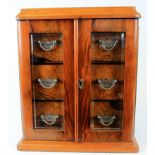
(47, 45)
(47, 83)
(106, 120)
(108, 44)
(106, 84)
(49, 119)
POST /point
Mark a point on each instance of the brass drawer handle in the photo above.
(106, 84)
(106, 120)
(47, 45)
(47, 83)
(108, 44)
(49, 119)
(81, 84)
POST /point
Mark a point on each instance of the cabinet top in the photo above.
(75, 13)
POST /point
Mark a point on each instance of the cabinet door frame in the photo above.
(66, 27)
(130, 28)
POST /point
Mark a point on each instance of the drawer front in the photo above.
(48, 83)
(49, 115)
(107, 46)
(46, 48)
(106, 115)
(107, 82)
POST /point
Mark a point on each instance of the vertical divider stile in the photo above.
(76, 78)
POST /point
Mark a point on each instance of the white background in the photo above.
(9, 67)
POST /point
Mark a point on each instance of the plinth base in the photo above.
(29, 145)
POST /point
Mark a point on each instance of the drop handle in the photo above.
(106, 120)
(81, 84)
(47, 45)
(108, 44)
(47, 83)
(49, 119)
(106, 84)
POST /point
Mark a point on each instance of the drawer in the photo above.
(107, 81)
(48, 82)
(107, 46)
(46, 48)
(106, 115)
(49, 115)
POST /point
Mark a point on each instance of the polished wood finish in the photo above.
(39, 56)
(98, 53)
(26, 28)
(26, 145)
(84, 62)
(48, 72)
(78, 56)
(46, 108)
(130, 79)
(87, 135)
(74, 13)
(25, 79)
(110, 72)
(88, 73)
(76, 92)
(109, 109)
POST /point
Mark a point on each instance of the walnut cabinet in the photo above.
(78, 78)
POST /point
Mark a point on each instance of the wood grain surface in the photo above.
(130, 78)
(109, 72)
(108, 109)
(98, 53)
(84, 67)
(56, 92)
(87, 72)
(78, 56)
(64, 72)
(76, 79)
(40, 56)
(49, 108)
(126, 147)
(74, 13)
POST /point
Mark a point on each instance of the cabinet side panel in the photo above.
(25, 77)
(130, 78)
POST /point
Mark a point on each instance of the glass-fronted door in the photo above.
(101, 67)
(107, 72)
(51, 73)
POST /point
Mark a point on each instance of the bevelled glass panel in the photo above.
(47, 82)
(106, 115)
(47, 71)
(49, 115)
(107, 46)
(107, 81)
(46, 48)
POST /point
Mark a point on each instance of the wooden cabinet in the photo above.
(78, 78)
